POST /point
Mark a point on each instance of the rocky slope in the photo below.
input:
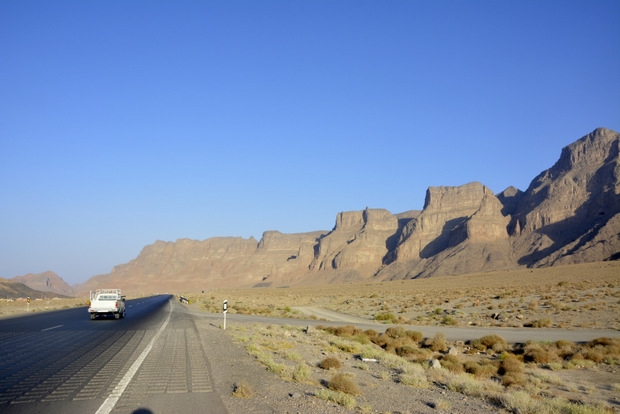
(569, 214)
(45, 282)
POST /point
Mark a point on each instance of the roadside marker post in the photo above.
(225, 309)
(28, 304)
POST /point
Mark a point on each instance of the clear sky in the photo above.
(126, 122)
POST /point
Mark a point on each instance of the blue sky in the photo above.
(127, 122)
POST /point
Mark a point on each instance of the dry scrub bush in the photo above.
(415, 336)
(449, 320)
(511, 365)
(481, 369)
(243, 390)
(388, 317)
(538, 353)
(493, 342)
(344, 383)
(512, 371)
(608, 348)
(371, 333)
(330, 362)
(436, 343)
(451, 363)
(396, 332)
(564, 349)
(406, 350)
(540, 323)
(395, 340)
(594, 355)
(346, 346)
(348, 330)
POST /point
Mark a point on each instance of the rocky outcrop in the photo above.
(45, 282)
(570, 213)
(285, 257)
(571, 208)
(358, 241)
(450, 216)
(461, 229)
(510, 199)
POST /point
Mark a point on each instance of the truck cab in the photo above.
(106, 302)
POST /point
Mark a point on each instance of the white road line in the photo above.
(53, 327)
(115, 395)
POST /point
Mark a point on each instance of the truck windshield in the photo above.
(107, 297)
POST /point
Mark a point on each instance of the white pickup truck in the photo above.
(106, 302)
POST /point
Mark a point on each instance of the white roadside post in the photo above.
(225, 309)
(28, 304)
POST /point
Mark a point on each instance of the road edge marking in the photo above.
(53, 327)
(115, 395)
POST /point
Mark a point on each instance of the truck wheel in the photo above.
(92, 316)
(117, 315)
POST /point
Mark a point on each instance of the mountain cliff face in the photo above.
(358, 242)
(45, 282)
(569, 214)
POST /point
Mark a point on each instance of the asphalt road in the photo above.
(152, 361)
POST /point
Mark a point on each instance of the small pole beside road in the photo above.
(28, 304)
(225, 309)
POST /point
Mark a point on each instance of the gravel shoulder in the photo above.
(231, 365)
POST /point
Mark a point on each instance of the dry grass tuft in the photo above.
(339, 398)
(301, 373)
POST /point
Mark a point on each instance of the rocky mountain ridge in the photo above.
(570, 213)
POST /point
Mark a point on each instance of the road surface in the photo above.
(152, 361)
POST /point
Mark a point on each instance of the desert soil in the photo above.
(572, 297)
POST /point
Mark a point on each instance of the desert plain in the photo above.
(401, 371)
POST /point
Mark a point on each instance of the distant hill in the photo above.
(570, 213)
(45, 282)
(13, 290)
